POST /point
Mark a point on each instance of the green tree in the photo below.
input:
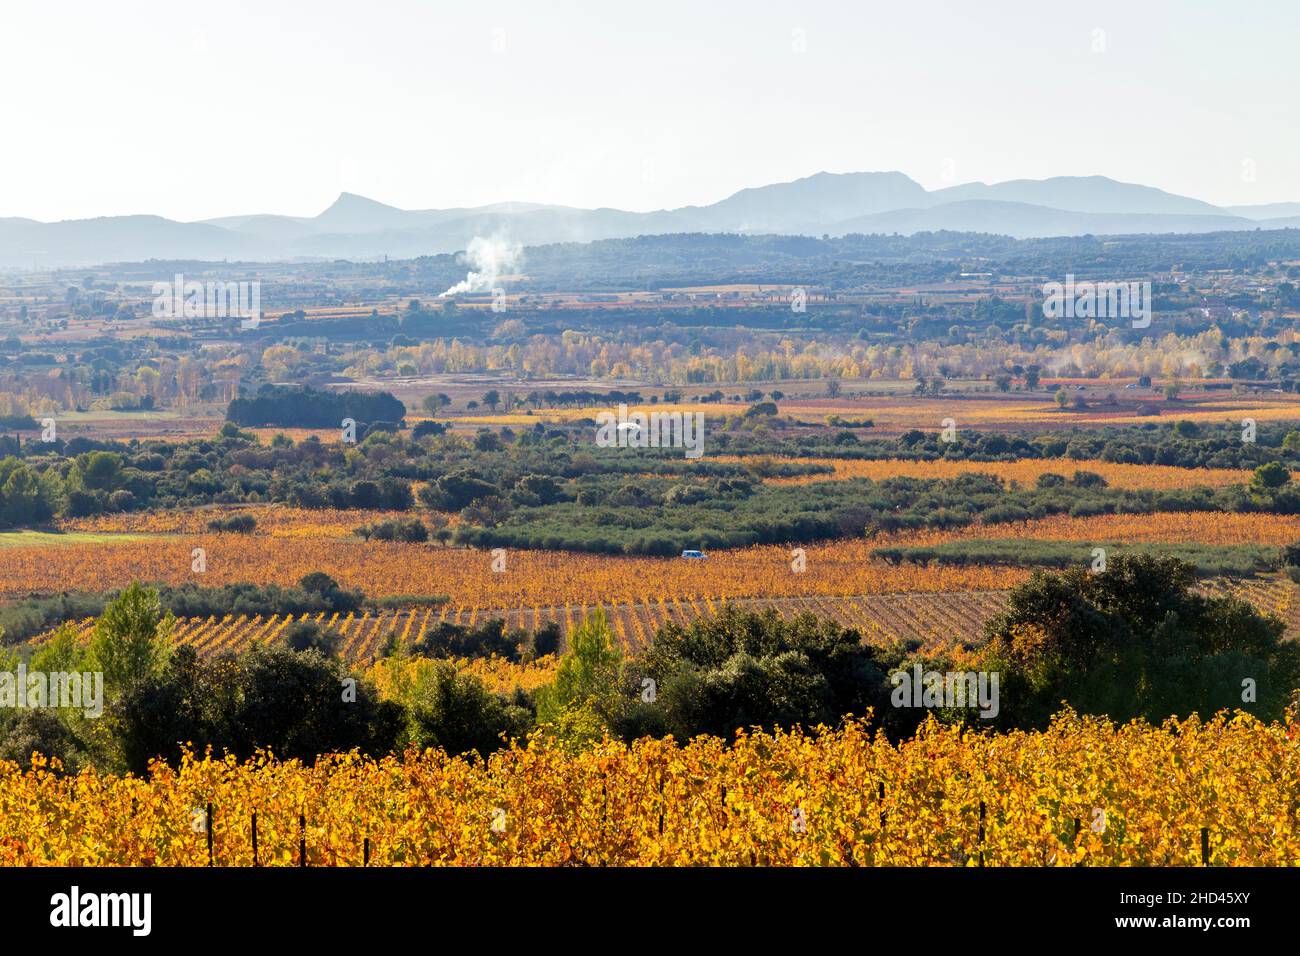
(99, 470)
(22, 499)
(310, 636)
(62, 652)
(297, 705)
(132, 638)
(742, 669)
(1135, 641)
(456, 712)
(1268, 478)
(584, 701)
(43, 731)
(435, 403)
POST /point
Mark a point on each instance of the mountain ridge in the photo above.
(356, 226)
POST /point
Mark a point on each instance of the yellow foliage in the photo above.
(1082, 792)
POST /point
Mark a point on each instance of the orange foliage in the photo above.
(1025, 471)
(816, 798)
(531, 577)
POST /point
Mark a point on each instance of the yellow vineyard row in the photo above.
(1082, 792)
(936, 620)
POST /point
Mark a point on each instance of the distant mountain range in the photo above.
(826, 203)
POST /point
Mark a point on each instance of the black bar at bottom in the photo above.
(304, 904)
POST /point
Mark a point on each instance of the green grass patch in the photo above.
(28, 539)
(1209, 560)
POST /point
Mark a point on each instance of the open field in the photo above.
(44, 539)
(891, 405)
(902, 412)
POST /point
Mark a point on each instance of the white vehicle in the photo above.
(697, 555)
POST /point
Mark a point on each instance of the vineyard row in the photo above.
(936, 620)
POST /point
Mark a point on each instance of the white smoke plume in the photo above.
(489, 259)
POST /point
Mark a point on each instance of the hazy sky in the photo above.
(196, 109)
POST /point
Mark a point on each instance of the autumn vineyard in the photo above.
(1084, 792)
(932, 618)
(653, 571)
